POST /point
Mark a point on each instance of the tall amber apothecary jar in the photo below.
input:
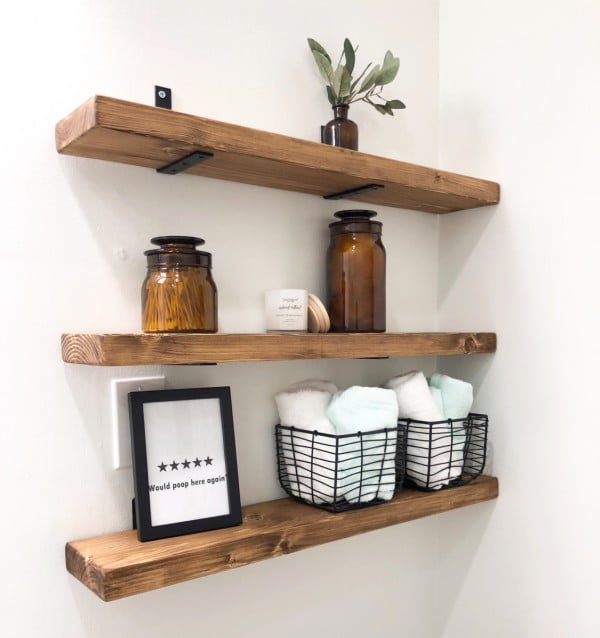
(179, 294)
(356, 273)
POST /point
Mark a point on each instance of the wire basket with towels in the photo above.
(448, 453)
(341, 472)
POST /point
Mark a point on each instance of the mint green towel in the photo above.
(457, 395)
(457, 399)
(436, 394)
(367, 461)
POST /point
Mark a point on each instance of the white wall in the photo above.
(519, 104)
(74, 233)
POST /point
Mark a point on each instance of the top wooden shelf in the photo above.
(109, 129)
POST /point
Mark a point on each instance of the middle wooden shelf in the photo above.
(194, 348)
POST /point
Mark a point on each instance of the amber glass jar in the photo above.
(356, 273)
(340, 131)
(179, 294)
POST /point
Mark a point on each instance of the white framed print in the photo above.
(184, 461)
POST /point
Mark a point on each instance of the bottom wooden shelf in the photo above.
(118, 565)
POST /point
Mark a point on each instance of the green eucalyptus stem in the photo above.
(343, 89)
(370, 93)
(360, 77)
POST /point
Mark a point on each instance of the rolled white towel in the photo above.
(314, 384)
(367, 462)
(428, 450)
(305, 409)
(309, 457)
(414, 397)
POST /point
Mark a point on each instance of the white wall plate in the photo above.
(119, 389)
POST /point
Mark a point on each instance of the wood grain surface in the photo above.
(119, 131)
(171, 349)
(118, 565)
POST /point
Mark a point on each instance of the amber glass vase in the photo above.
(179, 294)
(340, 131)
(356, 273)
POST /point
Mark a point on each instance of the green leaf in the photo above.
(388, 109)
(379, 108)
(330, 96)
(324, 67)
(349, 55)
(369, 81)
(345, 83)
(389, 70)
(315, 46)
(396, 104)
(388, 58)
(337, 80)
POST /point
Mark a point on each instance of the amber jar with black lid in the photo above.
(356, 273)
(179, 293)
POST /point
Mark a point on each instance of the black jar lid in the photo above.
(178, 250)
(355, 221)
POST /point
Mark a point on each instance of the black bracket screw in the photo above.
(162, 97)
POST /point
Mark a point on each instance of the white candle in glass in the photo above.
(286, 310)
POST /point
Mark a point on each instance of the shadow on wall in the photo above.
(459, 239)
(461, 232)
(476, 370)
(253, 386)
(380, 585)
(470, 139)
(463, 533)
(260, 239)
(246, 228)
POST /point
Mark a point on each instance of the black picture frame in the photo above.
(142, 417)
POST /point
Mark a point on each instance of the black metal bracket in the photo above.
(133, 516)
(191, 364)
(184, 163)
(354, 191)
(162, 97)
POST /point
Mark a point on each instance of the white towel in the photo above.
(314, 384)
(428, 449)
(366, 467)
(309, 457)
(414, 398)
(305, 409)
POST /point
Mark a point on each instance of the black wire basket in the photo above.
(444, 454)
(341, 472)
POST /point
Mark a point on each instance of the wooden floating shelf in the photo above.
(118, 565)
(172, 349)
(115, 130)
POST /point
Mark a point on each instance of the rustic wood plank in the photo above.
(119, 131)
(118, 565)
(171, 349)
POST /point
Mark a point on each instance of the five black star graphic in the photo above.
(184, 464)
